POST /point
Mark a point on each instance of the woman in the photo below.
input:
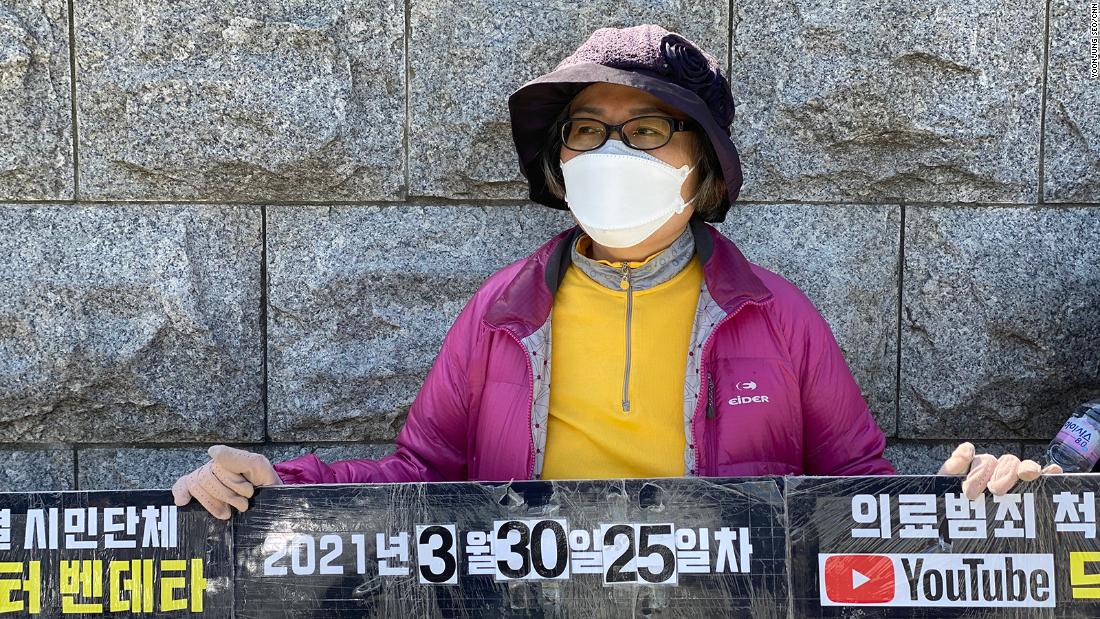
(671, 354)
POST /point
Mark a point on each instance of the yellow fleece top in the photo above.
(589, 436)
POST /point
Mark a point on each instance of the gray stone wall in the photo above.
(252, 222)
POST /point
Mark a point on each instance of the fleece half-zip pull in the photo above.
(616, 404)
(625, 284)
(631, 276)
(653, 271)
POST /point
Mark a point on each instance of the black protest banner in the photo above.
(712, 547)
(708, 547)
(112, 553)
(917, 547)
(801, 546)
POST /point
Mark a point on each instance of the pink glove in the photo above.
(228, 479)
(987, 470)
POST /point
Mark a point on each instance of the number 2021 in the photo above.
(302, 550)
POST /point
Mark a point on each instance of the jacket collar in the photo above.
(656, 270)
(524, 304)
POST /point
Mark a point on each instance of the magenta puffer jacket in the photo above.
(766, 390)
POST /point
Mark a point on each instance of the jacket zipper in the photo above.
(710, 396)
(530, 403)
(700, 453)
(710, 426)
(625, 284)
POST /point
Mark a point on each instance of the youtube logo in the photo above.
(937, 579)
(858, 579)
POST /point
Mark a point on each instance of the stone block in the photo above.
(919, 458)
(889, 101)
(1000, 320)
(241, 100)
(1036, 450)
(36, 124)
(1071, 140)
(36, 470)
(130, 323)
(120, 468)
(467, 57)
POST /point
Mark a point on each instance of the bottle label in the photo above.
(1082, 436)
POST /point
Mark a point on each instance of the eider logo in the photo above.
(745, 399)
(748, 385)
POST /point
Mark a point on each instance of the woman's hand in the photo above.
(989, 471)
(228, 479)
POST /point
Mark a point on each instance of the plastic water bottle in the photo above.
(1076, 447)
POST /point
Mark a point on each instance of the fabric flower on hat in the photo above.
(698, 71)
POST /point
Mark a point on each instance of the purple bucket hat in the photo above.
(647, 57)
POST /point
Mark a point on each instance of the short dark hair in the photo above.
(712, 186)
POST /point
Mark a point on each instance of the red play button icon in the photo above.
(859, 579)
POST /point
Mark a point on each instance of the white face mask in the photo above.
(621, 195)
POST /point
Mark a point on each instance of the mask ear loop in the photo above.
(684, 205)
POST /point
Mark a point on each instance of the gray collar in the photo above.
(660, 269)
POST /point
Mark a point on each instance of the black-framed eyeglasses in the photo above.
(640, 133)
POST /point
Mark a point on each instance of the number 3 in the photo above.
(429, 555)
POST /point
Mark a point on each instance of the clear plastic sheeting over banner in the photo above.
(754, 547)
(113, 554)
(917, 547)
(680, 547)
